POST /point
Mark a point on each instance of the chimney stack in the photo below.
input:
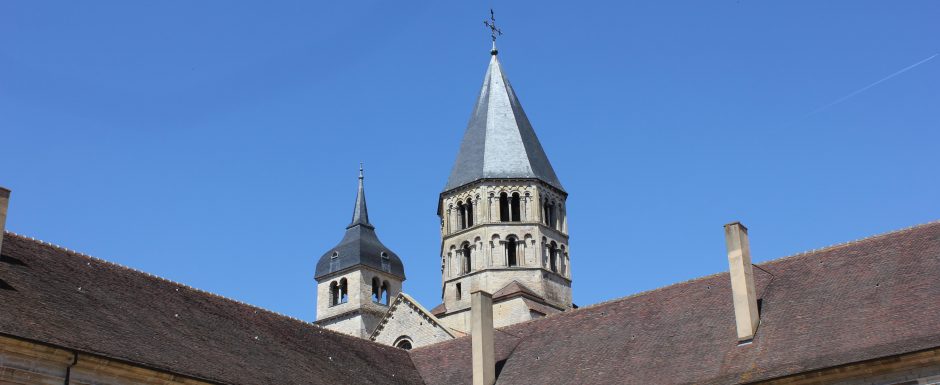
(4, 202)
(481, 333)
(742, 281)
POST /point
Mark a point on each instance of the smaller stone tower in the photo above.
(357, 278)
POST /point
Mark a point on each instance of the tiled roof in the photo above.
(862, 300)
(439, 309)
(514, 288)
(82, 303)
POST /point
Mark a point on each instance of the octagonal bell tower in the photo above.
(504, 226)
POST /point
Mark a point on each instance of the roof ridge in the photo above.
(774, 261)
(133, 270)
(645, 292)
(858, 240)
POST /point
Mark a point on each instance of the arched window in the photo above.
(334, 293)
(467, 266)
(376, 293)
(385, 293)
(552, 256)
(403, 342)
(461, 216)
(469, 212)
(458, 292)
(550, 214)
(343, 291)
(503, 207)
(514, 207)
(563, 260)
(546, 213)
(511, 251)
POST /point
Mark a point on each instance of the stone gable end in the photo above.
(407, 320)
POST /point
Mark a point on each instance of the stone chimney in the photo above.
(481, 333)
(4, 202)
(742, 281)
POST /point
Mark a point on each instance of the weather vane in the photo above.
(494, 30)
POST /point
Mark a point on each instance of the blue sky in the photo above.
(216, 143)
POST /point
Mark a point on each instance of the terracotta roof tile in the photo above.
(78, 302)
(512, 288)
(863, 300)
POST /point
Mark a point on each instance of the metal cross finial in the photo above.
(494, 30)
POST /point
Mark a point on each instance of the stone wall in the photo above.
(407, 320)
(27, 363)
(541, 245)
(359, 315)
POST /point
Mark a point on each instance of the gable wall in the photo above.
(406, 320)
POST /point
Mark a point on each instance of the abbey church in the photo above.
(861, 312)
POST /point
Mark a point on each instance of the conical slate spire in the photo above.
(499, 141)
(360, 212)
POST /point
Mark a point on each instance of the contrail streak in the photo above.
(863, 89)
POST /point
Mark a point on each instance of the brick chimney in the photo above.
(4, 202)
(742, 281)
(481, 334)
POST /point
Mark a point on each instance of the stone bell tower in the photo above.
(504, 227)
(357, 278)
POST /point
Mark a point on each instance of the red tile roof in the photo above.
(862, 300)
(82, 303)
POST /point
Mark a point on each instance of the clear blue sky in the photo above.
(216, 143)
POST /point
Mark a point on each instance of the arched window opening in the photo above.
(503, 207)
(343, 291)
(376, 291)
(403, 342)
(511, 252)
(469, 213)
(385, 293)
(545, 213)
(458, 292)
(334, 293)
(550, 215)
(514, 208)
(467, 266)
(552, 256)
(563, 261)
(461, 216)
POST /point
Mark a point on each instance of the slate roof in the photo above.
(499, 141)
(77, 302)
(360, 245)
(862, 300)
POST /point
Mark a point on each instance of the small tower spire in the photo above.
(360, 212)
(494, 30)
